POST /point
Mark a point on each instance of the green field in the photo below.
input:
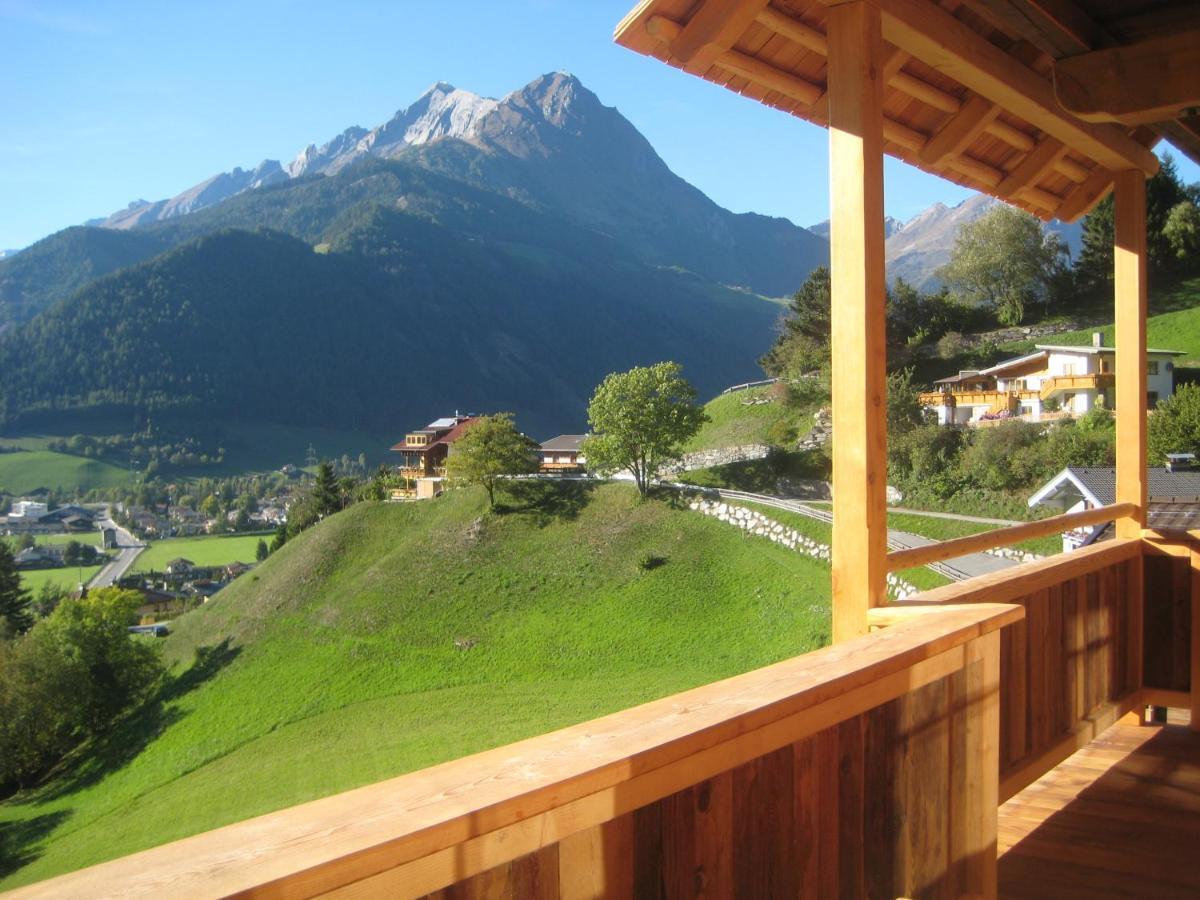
(32, 470)
(217, 550)
(733, 421)
(393, 636)
(68, 577)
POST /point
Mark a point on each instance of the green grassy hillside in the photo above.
(27, 471)
(734, 419)
(1178, 329)
(391, 637)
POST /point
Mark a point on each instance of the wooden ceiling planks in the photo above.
(773, 53)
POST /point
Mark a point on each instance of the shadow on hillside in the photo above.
(116, 748)
(18, 840)
(547, 501)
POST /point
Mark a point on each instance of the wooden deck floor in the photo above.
(1120, 818)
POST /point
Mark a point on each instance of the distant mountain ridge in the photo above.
(483, 255)
(916, 249)
(552, 144)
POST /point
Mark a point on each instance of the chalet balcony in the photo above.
(994, 400)
(1062, 383)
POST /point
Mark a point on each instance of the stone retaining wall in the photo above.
(723, 456)
(753, 522)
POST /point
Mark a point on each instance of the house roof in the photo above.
(445, 427)
(1098, 485)
(564, 442)
(464, 423)
(180, 562)
(965, 375)
(1091, 350)
(1015, 362)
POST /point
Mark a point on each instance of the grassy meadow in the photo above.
(213, 550)
(26, 471)
(734, 421)
(394, 636)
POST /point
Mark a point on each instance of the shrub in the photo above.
(69, 678)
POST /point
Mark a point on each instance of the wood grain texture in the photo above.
(855, 90)
(1118, 818)
(1129, 287)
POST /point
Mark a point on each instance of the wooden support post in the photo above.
(974, 840)
(858, 339)
(1194, 684)
(1129, 260)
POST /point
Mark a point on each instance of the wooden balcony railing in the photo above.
(1060, 383)
(869, 767)
(1072, 667)
(975, 398)
(1001, 537)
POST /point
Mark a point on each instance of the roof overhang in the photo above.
(1015, 363)
(1062, 488)
(970, 87)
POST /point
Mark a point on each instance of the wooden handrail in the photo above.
(418, 832)
(1008, 585)
(1001, 537)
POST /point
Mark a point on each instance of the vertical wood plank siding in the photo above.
(1068, 658)
(866, 807)
(1167, 649)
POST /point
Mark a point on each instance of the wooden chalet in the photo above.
(988, 738)
(1074, 379)
(424, 452)
(562, 455)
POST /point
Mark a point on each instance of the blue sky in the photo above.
(106, 102)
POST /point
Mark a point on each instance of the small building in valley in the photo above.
(561, 455)
(180, 566)
(1073, 379)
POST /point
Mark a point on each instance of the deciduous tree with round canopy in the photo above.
(640, 420)
(490, 450)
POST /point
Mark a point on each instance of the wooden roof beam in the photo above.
(1030, 170)
(1085, 196)
(1135, 84)
(940, 40)
(712, 30)
(812, 39)
(960, 131)
(746, 66)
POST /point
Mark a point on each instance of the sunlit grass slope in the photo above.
(391, 637)
(33, 470)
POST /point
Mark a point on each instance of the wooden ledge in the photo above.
(1000, 537)
(1010, 584)
(534, 792)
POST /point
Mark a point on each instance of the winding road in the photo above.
(128, 549)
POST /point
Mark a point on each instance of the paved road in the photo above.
(128, 550)
(958, 569)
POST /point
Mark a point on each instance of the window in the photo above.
(1151, 399)
(1152, 367)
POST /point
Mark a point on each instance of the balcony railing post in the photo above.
(858, 338)
(1129, 282)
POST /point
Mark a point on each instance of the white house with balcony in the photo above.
(1073, 379)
